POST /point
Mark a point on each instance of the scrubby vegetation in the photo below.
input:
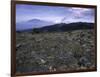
(54, 51)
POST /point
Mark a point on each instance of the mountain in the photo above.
(34, 23)
(66, 27)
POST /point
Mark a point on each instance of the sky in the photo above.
(55, 14)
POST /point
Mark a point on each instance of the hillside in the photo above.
(55, 51)
(61, 27)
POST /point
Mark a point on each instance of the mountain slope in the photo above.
(66, 27)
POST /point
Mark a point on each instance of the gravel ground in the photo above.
(55, 51)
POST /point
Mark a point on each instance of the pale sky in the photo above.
(56, 14)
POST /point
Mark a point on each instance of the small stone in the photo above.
(84, 61)
(18, 45)
(20, 61)
(43, 61)
(84, 45)
(52, 49)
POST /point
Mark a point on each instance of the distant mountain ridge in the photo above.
(30, 24)
(60, 27)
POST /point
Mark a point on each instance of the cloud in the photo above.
(83, 12)
(80, 15)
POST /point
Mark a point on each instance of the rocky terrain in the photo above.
(54, 51)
